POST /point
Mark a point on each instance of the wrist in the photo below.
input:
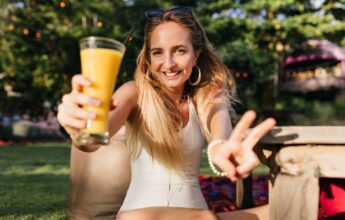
(211, 153)
(213, 147)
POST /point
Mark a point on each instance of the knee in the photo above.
(123, 216)
(118, 217)
(204, 215)
(135, 214)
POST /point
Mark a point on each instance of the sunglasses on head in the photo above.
(157, 13)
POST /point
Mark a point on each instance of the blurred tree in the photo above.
(254, 37)
(39, 41)
(39, 47)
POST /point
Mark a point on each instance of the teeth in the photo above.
(171, 74)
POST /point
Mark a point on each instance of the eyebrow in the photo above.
(174, 47)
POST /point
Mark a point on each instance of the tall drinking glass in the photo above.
(100, 62)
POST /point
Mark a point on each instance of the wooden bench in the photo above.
(297, 157)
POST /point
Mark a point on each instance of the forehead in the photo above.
(169, 34)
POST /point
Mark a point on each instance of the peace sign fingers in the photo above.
(258, 132)
(236, 156)
(242, 126)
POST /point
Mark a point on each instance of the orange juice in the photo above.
(101, 66)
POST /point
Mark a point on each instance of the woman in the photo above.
(181, 94)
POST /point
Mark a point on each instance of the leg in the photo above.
(98, 181)
(257, 213)
(164, 213)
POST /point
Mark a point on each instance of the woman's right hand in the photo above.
(236, 156)
(71, 115)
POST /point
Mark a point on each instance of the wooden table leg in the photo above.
(295, 193)
(244, 193)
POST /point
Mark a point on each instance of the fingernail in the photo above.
(237, 174)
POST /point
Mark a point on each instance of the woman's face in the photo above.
(172, 55)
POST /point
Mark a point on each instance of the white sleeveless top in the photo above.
(153, 185)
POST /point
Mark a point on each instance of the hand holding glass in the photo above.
(100, 63)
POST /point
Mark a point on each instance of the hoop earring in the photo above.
(198, 80)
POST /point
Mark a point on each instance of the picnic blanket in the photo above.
(220, 192)
(220, 195)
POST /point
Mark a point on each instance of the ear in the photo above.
(197, 54)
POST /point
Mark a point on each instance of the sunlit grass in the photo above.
(34, 181)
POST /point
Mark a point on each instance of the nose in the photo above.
(169, 62)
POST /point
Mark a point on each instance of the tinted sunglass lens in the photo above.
(159, 12)
(154, 13)
(181, 9)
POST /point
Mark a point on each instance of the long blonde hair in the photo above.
(155, 125)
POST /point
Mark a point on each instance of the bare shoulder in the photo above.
(128, 88)
(127, 91)
(130, 85)
(217, 94)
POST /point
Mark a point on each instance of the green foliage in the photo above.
(250, 36)
(256, 37)
(309, 111)
(40, 43)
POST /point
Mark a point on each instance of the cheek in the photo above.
(189, 66)
(188, 70)
(154, 65)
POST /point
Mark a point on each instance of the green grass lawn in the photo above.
(34, 180)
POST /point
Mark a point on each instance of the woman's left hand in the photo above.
(236, 156)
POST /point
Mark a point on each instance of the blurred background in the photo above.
(287, 56)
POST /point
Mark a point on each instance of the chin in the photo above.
(173, 85)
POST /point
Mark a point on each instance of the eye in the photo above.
(180, 51)
(156, 53)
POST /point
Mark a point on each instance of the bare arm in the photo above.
(220, 122)
(124, 101)
(236, 156)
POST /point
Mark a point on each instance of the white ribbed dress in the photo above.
(153, 185)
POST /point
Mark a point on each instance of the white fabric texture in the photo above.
(153, 185)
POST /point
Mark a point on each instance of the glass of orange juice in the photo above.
(100, 62)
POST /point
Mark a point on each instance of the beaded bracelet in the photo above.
(212, 166)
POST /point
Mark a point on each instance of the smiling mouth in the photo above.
(172, 74)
